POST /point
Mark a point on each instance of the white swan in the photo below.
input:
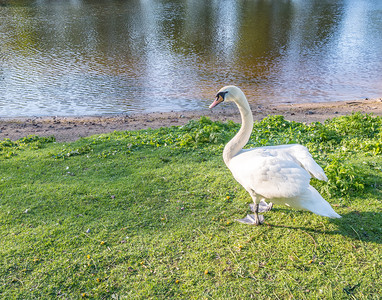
(279, 174)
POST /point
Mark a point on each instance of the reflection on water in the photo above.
(84, 57)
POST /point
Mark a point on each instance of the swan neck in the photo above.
(241, 138)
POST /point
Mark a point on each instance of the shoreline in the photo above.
(67, 129)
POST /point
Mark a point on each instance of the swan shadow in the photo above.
(362, 226)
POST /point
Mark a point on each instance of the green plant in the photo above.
(150, 214)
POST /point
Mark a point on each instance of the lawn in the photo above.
(151, 214)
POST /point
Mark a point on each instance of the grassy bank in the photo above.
(150, 215)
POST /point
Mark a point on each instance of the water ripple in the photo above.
(91, 58)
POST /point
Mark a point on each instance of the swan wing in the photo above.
(298, 153)
(304, 158)
(270, 177)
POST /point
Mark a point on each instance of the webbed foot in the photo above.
(263, 206)
(252, 220)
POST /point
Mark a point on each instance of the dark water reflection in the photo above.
(96, 57)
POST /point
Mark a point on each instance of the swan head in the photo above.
(229, 93)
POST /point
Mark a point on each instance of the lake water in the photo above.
(91, 57)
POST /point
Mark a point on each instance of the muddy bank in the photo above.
(73, 128)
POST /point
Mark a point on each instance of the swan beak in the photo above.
(219, 99)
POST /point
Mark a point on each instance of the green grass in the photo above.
(150, 215)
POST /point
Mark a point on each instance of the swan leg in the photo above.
(263, 206)
(256, 207)
(254, 219)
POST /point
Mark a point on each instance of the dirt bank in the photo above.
(73, 128)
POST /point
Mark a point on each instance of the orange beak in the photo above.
(219, 99)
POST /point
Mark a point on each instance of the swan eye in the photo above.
(221, 95)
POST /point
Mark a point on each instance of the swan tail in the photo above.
(312, 200)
